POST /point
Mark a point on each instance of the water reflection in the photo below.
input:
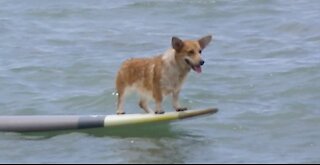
(153, 143)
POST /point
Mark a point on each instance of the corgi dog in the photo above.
(161, 75)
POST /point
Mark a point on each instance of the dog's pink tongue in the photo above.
(197, 69)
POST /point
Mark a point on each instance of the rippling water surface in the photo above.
(261, 71)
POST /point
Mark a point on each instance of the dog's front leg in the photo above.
(175, 101)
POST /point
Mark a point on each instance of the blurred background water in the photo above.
(261, 71)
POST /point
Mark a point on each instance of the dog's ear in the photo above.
(204, 41)
(176, 43)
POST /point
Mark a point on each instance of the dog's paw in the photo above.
(121, 113)
(161, 112)
(181, 109)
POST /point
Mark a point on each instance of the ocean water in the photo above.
(262, 71)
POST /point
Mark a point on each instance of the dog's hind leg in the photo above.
(120, 110)
(121, 95)
(144, 104)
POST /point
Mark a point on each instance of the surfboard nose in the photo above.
(188, 114)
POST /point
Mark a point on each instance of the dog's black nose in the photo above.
(201, 62)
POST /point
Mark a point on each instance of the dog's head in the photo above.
(188, 52)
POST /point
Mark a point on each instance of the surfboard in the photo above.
(66, 122)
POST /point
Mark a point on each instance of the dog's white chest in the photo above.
(170, 80)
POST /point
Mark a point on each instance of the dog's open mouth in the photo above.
(196, 68)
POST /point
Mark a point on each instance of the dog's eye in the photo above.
(191, 52)
(200, 51)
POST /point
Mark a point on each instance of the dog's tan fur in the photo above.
(161, 75)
